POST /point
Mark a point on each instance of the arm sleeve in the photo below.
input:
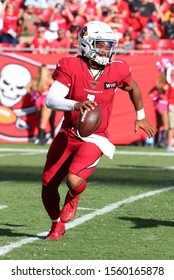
(56, 98)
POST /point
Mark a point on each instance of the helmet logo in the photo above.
(84, 31)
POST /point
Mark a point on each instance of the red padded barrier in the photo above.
(121, 127)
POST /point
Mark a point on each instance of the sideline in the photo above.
(107, 209)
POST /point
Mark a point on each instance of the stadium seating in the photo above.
(166, 44)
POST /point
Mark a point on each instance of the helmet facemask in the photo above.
(104, 50)
(98, 46)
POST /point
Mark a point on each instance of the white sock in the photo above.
(56, 220)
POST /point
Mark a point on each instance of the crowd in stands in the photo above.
(53, 25)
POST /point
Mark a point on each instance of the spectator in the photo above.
(132, 2)
(122, 8)
(10, 27)
(155, 24)
(156, 34)
(51, 34)
(2, 8)
(160, 100)
(135, 21)
(158, 14)
(38, 89)
(62, 17)
(147, 8)
(148, 42)
(73, 6)
(39, 43)
(79, 21)
(116, 22)
(44, 14)
(29, 22)
(169, 27)
(62, 42)
(126, 43)
(165, 8)
(168, 12)
(18, 4)
(90, 10)
(73, 36)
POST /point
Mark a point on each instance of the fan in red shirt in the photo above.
(62, 16)
(148, 41)
(135, 21)
(62, 42)
(10, 28)
(39, 43)
(116, 22)
(122, 7)
(80, 83)
(73, 6)
(91, 10)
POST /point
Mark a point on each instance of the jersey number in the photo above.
(90, 97)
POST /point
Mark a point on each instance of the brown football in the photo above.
(7, 116)
(89, 121)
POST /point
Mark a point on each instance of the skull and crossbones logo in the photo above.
(13, 81)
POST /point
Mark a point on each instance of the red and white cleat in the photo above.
(70, 206)
(56, 231)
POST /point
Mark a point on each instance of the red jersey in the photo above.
(137, 23)
(9, 22)
(62, 21)
(149, 44)
(38, 44)
(64, 43)
(122, 6)
(91, 8)
(73, 73)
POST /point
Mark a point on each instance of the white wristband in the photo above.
(140, 114)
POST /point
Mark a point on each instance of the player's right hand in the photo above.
(85, 105)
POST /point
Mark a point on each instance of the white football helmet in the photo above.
(97, 41)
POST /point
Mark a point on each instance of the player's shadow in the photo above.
(123, 175)
(10, 233)
(26, 174)
(146, 223)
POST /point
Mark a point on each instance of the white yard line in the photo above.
(20, 154)
(22, 150)
(143, 167)
(138, 153)
(145, 153)
(7, 181)
(107, 209)
(3, 206)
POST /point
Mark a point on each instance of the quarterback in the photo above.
(80, 82)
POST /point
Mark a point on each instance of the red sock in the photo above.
(79, 189)
(51, 200)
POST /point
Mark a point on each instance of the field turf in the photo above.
(125, 213)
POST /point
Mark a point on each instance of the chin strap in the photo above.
(94, 65)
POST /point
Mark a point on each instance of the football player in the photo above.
(80, 82)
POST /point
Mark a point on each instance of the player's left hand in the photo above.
(146, 126)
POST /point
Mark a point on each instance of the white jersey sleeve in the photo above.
(56, 100)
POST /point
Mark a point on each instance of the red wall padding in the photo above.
(121, 127)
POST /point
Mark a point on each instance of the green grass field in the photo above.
(125, 213)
